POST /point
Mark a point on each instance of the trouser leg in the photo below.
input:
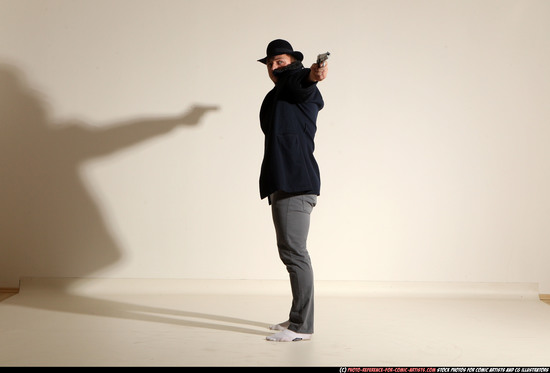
(291, 218)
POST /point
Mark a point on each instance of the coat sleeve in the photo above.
(297, 88)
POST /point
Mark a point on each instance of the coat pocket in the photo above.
(291, 150)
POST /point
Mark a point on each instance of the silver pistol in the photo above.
(321, 58)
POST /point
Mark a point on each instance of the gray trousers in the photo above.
(291, 215)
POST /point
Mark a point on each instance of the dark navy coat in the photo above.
(288, 117)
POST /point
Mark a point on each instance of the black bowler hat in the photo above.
(280, 46)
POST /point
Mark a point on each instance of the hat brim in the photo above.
(298, 55)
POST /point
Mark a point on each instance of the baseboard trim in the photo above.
(543, 297)
(9, 290)
(127, 286)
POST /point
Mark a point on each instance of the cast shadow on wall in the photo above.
(49, 224)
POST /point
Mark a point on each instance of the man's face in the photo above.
(276, 62)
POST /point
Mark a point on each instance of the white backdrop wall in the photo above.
(130, 142)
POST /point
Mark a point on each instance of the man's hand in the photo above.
(318, 73)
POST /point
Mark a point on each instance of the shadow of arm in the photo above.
(118, 136)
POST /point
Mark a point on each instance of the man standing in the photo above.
(289, 175)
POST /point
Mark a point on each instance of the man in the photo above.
(289, 175)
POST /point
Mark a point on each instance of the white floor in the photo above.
(99, 322)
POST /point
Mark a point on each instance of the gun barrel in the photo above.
(322, 57)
